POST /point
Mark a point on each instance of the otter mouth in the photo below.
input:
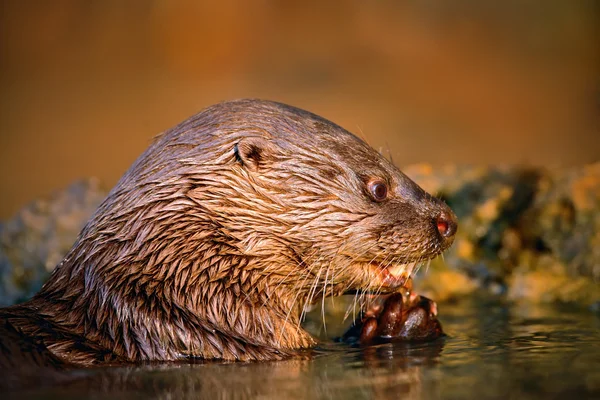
(395, 276)
(387, 278)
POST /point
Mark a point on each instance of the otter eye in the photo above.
(378, 189)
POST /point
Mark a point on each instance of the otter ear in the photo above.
(255, 153)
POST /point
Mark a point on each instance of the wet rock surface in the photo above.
(525, 233)
(36, 239)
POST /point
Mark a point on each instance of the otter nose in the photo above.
(446, 224)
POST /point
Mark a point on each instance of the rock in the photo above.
(530, 233)
(36, 239)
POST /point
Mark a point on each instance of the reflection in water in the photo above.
(492, 351)
(337, 371)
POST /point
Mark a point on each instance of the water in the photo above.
(493, 351)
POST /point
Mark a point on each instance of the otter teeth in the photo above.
(397, 270)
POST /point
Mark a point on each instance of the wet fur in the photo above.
(220, 233)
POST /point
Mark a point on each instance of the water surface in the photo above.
(493, 350)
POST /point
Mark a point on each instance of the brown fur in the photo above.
(218, 236)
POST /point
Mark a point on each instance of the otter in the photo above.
(221, 232)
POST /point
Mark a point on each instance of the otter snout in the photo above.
(446, 225)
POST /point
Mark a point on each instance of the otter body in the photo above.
(224, 229)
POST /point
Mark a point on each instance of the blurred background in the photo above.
(86, 85)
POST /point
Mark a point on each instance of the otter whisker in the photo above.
(352, 307)
(308, 298)
(295, 298)
(313, 288)
(283, 280)
(359, 293)
(323, 298)
(306, 271)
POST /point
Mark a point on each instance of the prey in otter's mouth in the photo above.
(217, 237)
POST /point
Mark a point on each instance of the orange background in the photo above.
(86, 85)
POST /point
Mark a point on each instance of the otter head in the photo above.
(341, 216)
(221, 232)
